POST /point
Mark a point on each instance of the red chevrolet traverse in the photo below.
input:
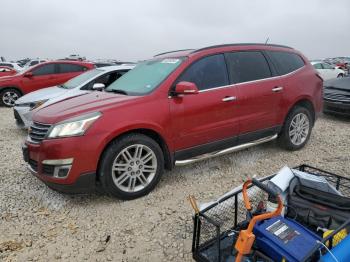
(174, 109)
(37, 77)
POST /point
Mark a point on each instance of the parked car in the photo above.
(15, 66)
(7, 71)
(34, 62)
(37, 77)
(96, 79)
(327, 71)
(75, 57)
(337, 96)
(177, 108)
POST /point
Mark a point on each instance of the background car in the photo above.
(7, 71)
(37, 77)
(96, 79)
(337, 96)
(34, 62)
(327, 71)
(12, 65)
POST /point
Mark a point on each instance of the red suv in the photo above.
(177, 108)
(37, 77)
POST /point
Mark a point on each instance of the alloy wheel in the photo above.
(134, 168)
(299, 129)
(9, 98)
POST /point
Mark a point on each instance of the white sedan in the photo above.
(96, 79)
(327, 71)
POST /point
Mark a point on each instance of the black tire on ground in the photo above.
(340, 75)
(286, 138)
(113, 157)
(8, 97)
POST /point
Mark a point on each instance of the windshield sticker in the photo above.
(170, 61)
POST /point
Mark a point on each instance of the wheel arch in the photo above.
(304, 102)
(168, 158)
(11, 87)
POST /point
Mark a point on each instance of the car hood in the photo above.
(65, 95)
(42, 94)
(339, 84)
(78, 105)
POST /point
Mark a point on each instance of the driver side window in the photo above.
(208, 72)
(44, 70)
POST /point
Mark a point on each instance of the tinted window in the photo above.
(44, 70)
(317, 66)
(68, 68)
(34, 63)
(208, 72)
(247, 66)
(286, 62)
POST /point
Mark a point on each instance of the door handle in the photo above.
(229, 98)
(277, 89)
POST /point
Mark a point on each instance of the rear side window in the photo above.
(69, 68)
(207, 73)
(44, 70)
(247, 66)
(286, 62)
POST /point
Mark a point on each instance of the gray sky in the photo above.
(134, 30)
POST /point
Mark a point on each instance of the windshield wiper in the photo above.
(117, 91)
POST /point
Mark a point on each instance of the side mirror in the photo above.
(98, 86)
(28, 74)
(186, 88)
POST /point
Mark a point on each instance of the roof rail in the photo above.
(174, 51)
(238, 44)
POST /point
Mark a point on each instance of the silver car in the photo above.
(96, 79)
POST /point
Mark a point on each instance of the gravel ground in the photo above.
(38, 224)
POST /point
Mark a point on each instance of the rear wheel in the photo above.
(131, 166)
(9, 97)
(297, 128)
(340, 75)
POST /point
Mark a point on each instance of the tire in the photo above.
(122, 170)
(340, 75)
(299, 120)
(9, 96)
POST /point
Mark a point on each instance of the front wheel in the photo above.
(296, 130)
(131, 166)
(340, 75)
(9, 97)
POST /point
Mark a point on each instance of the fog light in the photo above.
(62, 172)
(58, 168)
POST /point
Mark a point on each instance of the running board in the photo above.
(225, 151)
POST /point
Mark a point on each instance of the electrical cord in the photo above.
(333, 256)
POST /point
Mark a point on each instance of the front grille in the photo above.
(38, 132)
(339, 95)
(33, 165)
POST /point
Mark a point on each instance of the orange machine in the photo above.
(246, 237)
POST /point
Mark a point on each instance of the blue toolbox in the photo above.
(282, 238)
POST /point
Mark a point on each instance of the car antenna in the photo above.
(267, 40)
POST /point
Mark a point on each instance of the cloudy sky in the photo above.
(136, 29)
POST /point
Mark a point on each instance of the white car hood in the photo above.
(63, 96)
(42, 94)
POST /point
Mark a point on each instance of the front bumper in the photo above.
(67, 165)
(23, 116)
(337, 108)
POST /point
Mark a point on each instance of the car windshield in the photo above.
(81, 79)
(145, 77)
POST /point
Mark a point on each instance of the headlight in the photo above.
(37, 104)
(73, 127)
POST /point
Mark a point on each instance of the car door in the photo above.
(67, 71)
(205, 121)
(258, 94)
(41, 76)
